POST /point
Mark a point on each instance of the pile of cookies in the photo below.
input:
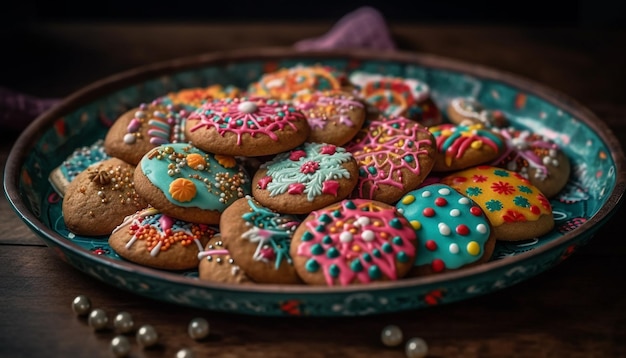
(311, 176)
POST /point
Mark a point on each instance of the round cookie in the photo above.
(259, 239)
(246, 126)
(139, 130)
(216, 264)
(452, 231)
(81, 158)
(468, 111)
(460, 147)
(152, 239)
(184, 182)
(396, 96)
(192, 98)
(100, 197)
(536, 158)
(333, 116)
(353, 242)
(306, 178)
(516, 209)
(394, 155)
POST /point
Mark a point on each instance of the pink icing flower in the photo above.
(330, 187)
(309, 167)
(296, 155)
(329, 149)
(296, 188)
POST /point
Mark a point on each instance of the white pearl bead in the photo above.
(98, 319)
(123, 322)
(184, 353)
(147, 336)
(81, 305)
(391, 335)
(198, 328)
(120, 346)
(416, 348)
(247, 107)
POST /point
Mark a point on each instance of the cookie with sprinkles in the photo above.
(467, 111)
(216, 264)
(397, 96)
(516, 209)
(152, 239)
(192, 98)
(452, 231)
(259, 239)
(394, 154)
(333, 116)
(460, 146)
(306, 178)
(141, 129)
(189, 184)
(80, 159)
(246, 126)
(354, 242)
(100, 197)
(536, 158)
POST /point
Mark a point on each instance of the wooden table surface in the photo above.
(576, 309)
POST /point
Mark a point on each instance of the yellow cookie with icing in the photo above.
(516, 209)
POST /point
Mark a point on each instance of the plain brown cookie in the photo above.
(216, 264)
(100, 197)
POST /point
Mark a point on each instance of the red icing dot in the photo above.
(441, 201)
(438, 265)
(296, 155)
(476, 211)
(428, 212)
(462, 229)
(431, 245)
(535, 210)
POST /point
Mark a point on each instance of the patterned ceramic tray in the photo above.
(590, 198)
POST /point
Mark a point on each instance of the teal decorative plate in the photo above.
(593, 193)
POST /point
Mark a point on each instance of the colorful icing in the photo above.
(246, 115)
(286, 83)
(206, 185)
(163, 124)
(320, 108)
(192, 98)
(356, 241)
(384, 148)
(454, 140)
(505, 196)
(271, 232)
(451, 229)
(160, 231)
(473, 110)
(82, 158)
(216, 252)
(312, 169)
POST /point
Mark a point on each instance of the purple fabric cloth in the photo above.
(364, 27)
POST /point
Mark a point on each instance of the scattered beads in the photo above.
(184, 353)
(391, 335)
(147, 336)
(98, 319)
(81, 305)
(416, 348)
(123, 322)
(198, 328)
(120, 346)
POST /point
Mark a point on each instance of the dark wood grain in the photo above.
(576, 309)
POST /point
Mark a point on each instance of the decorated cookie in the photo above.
(333, 116)
(286, 83)
(452, 231)
(306, 178)
(152, 239)
(468, 111)
(192, 98)
(246, 126)
(139, 130)
(216, 264)
(516, 209)
(396, 96)
(394, 155)
(536, 158)
(460, 147)
(75, 163)
(353, 242)
(186, 183)
(100, 197)
(259, 239)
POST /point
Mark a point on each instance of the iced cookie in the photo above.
(452, 231)
(75, 163)
(216, 264)
(100, 197)
(353, 242)
(186, 183)
(259, 239)
(333, 116)
(306, 178)
(396, 96)
(394, 155)
(460, 146)
(152, 239)
(192, 98)
(468, 111)
(139, 130)
(536, 158)
(516, 209)
(246, 126)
